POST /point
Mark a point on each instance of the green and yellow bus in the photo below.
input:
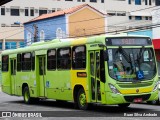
(106, 69)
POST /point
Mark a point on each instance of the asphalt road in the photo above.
(49, 109)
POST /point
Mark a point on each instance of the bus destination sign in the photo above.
(128, 41)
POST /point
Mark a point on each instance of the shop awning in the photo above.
(156, 43)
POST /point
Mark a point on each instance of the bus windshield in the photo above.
(136, 64)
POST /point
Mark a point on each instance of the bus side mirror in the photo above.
(105, 55)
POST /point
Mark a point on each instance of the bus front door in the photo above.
(42, 73)
(13, 75)
(95, 76)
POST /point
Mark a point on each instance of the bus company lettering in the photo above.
(81, 74)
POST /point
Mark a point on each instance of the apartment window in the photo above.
(157, 2)
(14, 11)
(26, 12)
(121, 14)
(68, 0)
(51, 59)
(130, 17)
(42, 12)
(64, 58)
(31, 12)
(59, 9)
(150, 18)
(93, 0)
(59, 33)
(10, 45)
(2, 11)
(129, 1)
(111, 14)
(138, 17)
(21, 44)
(29, 39)
(53, 10)
(146, 2)
(146, 18)
(150, 2)
(102, 1)
(79, 57)
(78, 0)
(137, 2)
(42, 35)
(0, 45)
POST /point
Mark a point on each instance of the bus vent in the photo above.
(131, 98)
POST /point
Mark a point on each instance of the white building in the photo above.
(120, 15)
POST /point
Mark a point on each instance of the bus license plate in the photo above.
(137, 100)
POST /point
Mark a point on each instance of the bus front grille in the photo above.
(133, 85)
(131, 98)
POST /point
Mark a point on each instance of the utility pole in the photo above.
(35, 33)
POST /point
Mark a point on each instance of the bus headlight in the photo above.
(114, 89)
(156, 86)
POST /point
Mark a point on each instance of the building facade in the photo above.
(73, 22)
(156, 35)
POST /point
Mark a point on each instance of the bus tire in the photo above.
(26, 95)
(124, 105)
(81, 100)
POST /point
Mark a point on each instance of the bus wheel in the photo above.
(124, 105)
(81, 100)
(26, 95)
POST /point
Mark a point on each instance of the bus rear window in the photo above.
(5, 61)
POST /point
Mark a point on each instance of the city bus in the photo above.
(104, 69)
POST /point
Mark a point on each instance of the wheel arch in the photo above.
(75, 91)
(23, 86)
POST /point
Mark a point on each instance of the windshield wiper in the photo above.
(140, 55)
(141, 52)
(125, 55)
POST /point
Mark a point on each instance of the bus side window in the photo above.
(51, 59)
(19, 62)
(5, 62)
(79, 57)
(64, 58)
(33, 61)
(26, 61)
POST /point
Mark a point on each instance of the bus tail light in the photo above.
(114, 89)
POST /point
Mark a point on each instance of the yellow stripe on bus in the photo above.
(79, 41)
(136, 90)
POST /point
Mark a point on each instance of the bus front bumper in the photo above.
(113, 99)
